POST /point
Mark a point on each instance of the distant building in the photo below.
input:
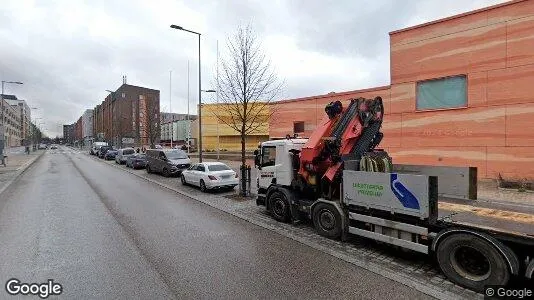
(216, 134)
(12, 122)
(68, 133)
(176, 125)
(87, 126)
(24, 114)
(166, 117)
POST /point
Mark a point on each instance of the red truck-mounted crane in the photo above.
(344, 184)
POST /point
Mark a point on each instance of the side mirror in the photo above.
(257, 161)
(256, 152)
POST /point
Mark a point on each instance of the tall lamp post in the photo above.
(2, 108)
(199, 91)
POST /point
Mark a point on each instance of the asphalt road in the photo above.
(103, 233)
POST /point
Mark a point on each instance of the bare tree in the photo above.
(247, 84)
(151, 120)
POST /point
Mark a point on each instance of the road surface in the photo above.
(104, 233)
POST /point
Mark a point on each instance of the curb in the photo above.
(19, 172)
(372, 267)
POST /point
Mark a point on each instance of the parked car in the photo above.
(103, 149)
(136, 161)
(41, 146)
(110, 154)
(123, 154)
(210, 175)
(96, 147)
(53, 146)
(167, 161)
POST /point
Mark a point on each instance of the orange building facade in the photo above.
(461, 94)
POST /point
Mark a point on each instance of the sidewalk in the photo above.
(16, 162)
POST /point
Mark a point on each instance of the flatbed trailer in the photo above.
(344, 184)
(474, 246)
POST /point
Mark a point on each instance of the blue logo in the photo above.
(406, 197)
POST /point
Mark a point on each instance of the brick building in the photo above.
(461, 93)
(128, 116)
(68, 133)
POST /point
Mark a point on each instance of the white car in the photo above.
(210, 175)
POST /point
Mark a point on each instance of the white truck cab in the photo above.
(274, 162)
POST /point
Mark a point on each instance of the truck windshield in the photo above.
(268, 154)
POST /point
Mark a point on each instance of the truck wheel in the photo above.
(279, 206)
(327, 221)
(472, 262)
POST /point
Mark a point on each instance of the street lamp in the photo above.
(2, 108)
(199, 91)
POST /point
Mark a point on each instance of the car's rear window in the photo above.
(218, 168)
(128, 151)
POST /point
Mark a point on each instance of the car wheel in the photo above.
(148, 170)
(182, 178)
(166, 172)
(203, 186)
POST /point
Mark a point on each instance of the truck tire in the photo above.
(472, 262)
(327, 221)
(279, 206)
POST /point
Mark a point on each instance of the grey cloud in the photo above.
(64, 74)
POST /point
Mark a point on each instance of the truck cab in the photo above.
(275, 163)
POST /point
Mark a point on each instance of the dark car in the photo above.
(136, 161)
(110, 154)
(167, 161)
(102, 151)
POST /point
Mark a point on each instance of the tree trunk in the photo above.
(243, 163)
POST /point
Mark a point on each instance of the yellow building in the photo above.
(229, 138)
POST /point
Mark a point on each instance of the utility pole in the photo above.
(217, 100)
(170, 105)
(188, 121)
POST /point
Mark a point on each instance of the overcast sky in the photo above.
(68, 52)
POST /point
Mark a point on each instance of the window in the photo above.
(201, 168)
(123, 95)
(268, 155)
(298, 127)
(449, 92)
(218, 168)
(141, 97)
(128, 151)
(176, 154)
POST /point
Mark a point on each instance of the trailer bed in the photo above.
(516, 221)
